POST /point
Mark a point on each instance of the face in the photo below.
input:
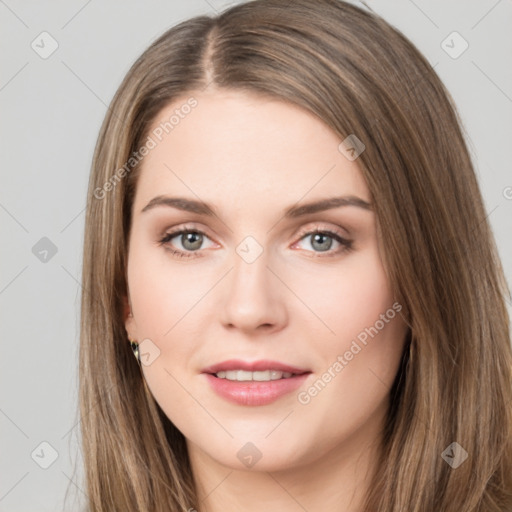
(259, 282)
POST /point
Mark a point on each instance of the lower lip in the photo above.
(254, 392)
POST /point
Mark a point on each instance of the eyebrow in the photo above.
(202, 208)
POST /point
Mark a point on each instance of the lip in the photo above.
(254, 392)
(255, 366)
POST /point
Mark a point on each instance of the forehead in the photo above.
(237, 146)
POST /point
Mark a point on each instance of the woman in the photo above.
(284, 223)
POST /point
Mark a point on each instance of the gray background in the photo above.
(51, 111)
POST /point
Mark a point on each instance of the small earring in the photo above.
(135, 348)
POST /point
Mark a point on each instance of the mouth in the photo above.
(256, 383)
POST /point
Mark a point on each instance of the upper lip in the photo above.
(254, 366)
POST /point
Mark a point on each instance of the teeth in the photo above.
(242, 375)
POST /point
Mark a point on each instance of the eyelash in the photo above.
(346, 245)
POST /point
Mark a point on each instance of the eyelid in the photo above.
(322, 227)
(190, 226)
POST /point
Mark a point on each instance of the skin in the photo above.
(252, 157)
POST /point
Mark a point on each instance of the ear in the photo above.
(129, 321)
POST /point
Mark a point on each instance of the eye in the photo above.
(322, 240)
(190, 239)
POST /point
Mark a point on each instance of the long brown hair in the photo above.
(360, 76)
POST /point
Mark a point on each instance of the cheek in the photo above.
(161, 293)
(347, 298)
(356, 305)
(163, 299)
(360, 360)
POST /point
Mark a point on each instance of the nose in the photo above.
(254, 297)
